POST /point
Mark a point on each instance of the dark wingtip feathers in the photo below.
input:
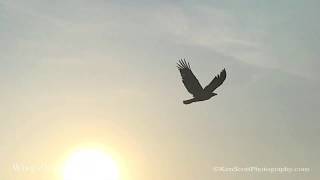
(224, 72)
(183, 64)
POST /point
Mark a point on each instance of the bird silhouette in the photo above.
(193, 85)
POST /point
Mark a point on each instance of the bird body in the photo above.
(202, 97)
(194, 87)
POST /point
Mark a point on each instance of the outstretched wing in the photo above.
(189, 79)
(216, 82)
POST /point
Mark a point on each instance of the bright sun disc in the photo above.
(90, 165)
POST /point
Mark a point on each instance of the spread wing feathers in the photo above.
(189, 79)
(216, 82)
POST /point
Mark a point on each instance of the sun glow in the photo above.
(90, 164)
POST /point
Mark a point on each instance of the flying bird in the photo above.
(193, 85)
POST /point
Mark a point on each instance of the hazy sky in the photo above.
(103, 72)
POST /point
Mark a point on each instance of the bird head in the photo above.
(213, 94)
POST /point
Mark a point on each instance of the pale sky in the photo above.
(104, 72)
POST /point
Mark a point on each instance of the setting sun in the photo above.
(90, 164)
